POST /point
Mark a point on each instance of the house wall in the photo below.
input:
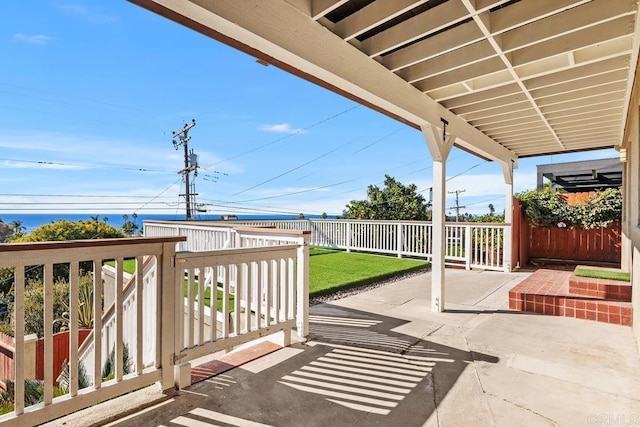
(631, 191)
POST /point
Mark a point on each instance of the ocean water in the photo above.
(31, 221)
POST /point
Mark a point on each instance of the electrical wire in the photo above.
(297, 132)
(85, 166)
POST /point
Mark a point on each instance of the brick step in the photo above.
(548, 292)
(600, 288)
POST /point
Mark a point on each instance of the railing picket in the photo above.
(258, 292)
(189, 307)
(73, 328)
(119, 342)
(139, 317)
(19, 339)
(225, 301)
(248, 291)
(213, 305)
(48, 334)
(201, 295)
(97, 323)
(269, 286)
(238, 300)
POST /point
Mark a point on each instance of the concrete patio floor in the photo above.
(382, 358)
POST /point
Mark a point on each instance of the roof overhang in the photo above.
(512, 78)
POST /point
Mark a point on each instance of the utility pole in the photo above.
(190, 164)
(457, 207)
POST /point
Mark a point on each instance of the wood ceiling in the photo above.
(514, 78)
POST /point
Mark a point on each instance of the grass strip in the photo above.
(332, 270)
(603, 274)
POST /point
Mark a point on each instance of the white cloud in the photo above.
(31, 39)
(280, 128)
(85, 13)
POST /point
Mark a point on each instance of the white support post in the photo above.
(348, 236)
(507, 170)
(302, 309)
(399, 239)
(439, 147)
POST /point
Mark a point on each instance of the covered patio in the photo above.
(381, 357)
(502, 79)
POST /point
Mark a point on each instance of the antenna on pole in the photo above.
(190, 165)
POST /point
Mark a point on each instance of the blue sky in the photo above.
(90, 92)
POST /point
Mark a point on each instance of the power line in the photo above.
(83, 165)
(159, 194)
(296, 168)
(298, 192)
(74, 195)
(298, 132)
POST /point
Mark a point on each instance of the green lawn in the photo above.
(603, 274)
(329, 271)
(334, 270)
(207, 296)
(128, 266)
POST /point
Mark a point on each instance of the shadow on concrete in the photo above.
(355, 370)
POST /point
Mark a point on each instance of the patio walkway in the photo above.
(382, 358)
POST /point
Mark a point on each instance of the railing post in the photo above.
(507, 243)
(302, 310)
(399, 239)
(168, 332)
(30, 344)
(348, 242)
(468, 250)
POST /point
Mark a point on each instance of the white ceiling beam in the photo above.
(573, 112)
(619, 76)
(480, 97)
(373, 15)
(508, 62)
(448, 41)
(583, 94)
(571, 104)
(578, 72)
(504, 101)
(284, 36)
(500, 113)
(538, 131)
(506, 123)
(588, 130)
(579, 39)
(586, 119)
(463, 57)
(569, 21)
(526, 115)
(320, 8)
(482, 68)
(525, 12)
(419, 26)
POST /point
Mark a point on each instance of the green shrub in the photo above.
(548, 209)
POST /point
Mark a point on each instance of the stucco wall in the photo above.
(631, 190)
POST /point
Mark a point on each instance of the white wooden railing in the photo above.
(469, 244)
(161, 327)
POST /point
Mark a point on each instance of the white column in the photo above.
(507, 170)
(439, 149)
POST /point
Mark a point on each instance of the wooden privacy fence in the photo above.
(575, 244)
(60, 352)
(34, 350)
